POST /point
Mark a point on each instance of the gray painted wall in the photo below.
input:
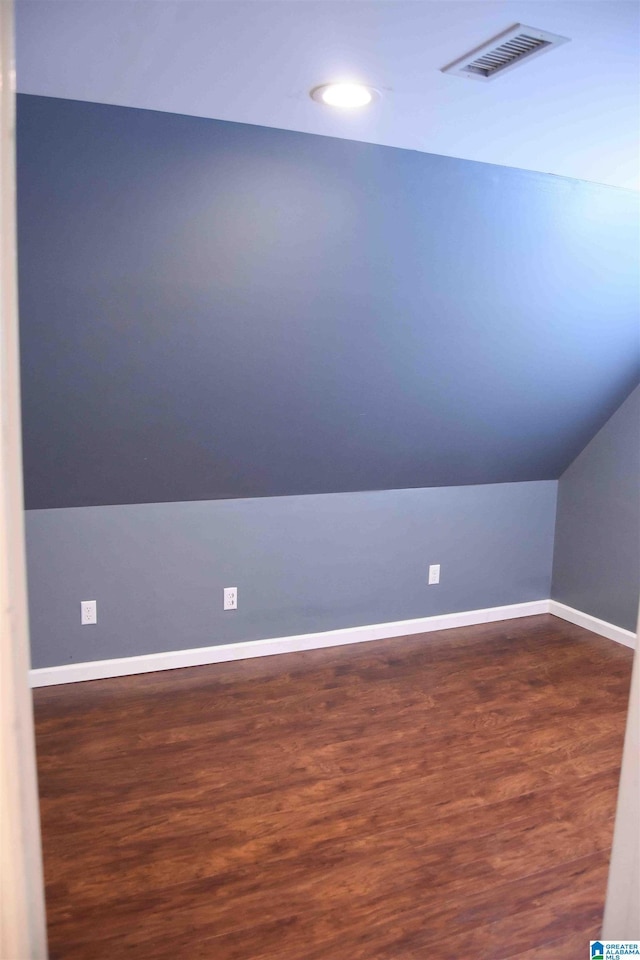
(301, 564)
(213, 310)
(597, 543)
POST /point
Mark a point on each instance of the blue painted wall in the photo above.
(215, 310)
(596, 565)
(301, 564)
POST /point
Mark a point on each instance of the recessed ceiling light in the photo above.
(344, 94)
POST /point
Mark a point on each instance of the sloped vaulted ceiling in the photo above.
(212, 309)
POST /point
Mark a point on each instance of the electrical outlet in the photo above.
(434, 573)
(88, 612)
(230, 598)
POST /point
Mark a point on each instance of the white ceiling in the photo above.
(573, 111)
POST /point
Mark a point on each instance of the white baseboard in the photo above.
(149, 663)
(585, 620)
(124, 666)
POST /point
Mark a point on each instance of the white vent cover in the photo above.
(507, 50)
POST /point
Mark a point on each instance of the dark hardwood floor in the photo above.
(446, 797)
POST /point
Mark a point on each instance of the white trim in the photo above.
(245, 650)
(621, 916)
(22, 910)
(124, 666)
(585, 620)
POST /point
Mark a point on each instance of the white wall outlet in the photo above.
(230, 598)
(88, 612)
(434, 573)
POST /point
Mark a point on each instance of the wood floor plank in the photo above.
(393, 800)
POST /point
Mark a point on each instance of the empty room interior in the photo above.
(330, 363)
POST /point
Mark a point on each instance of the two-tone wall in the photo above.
(302, 366)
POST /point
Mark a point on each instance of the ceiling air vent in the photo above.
(505, 51)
